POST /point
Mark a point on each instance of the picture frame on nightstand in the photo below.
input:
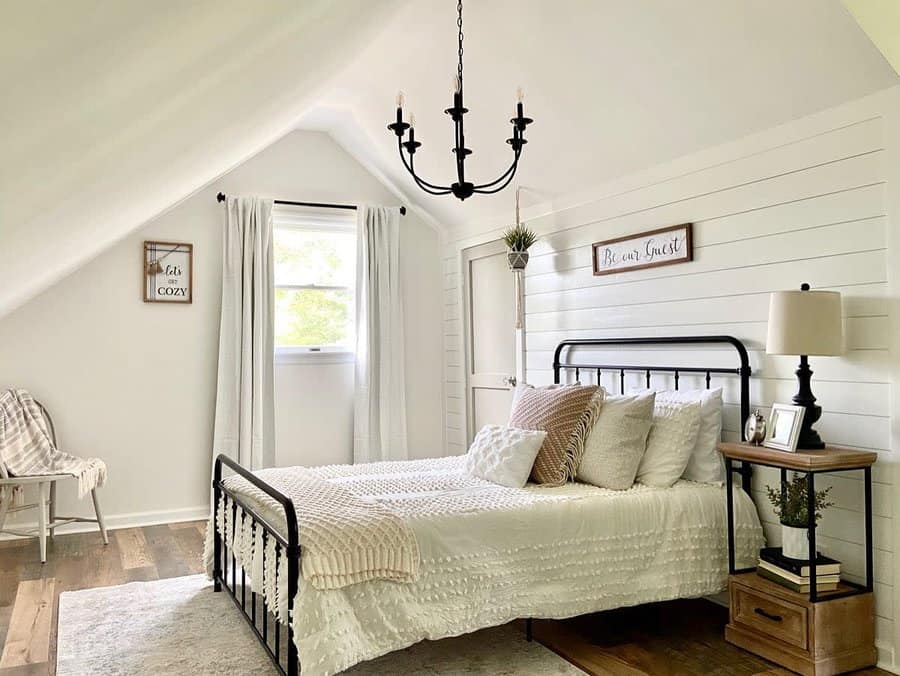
(783, 428)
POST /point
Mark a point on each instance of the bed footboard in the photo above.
(279, 641)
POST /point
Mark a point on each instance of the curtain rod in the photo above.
(221, 198)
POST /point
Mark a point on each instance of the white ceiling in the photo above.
(614, 86)
(113, 112)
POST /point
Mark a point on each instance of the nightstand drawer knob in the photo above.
(768, 616)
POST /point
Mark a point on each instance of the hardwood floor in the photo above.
(29, 591)
(664, 639)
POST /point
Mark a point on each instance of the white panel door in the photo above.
(492, 355)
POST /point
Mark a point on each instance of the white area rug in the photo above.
(180, 627)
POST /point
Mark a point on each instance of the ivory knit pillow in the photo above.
(566, 413)
(705, 464)
(670, 442)
(616, 443)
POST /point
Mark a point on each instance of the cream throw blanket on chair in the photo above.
(27, 448)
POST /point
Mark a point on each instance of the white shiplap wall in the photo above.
(804, 202)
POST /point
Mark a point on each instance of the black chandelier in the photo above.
(461, 188)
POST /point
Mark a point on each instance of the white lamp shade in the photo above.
(805, 323)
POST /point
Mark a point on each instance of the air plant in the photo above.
(519, 238)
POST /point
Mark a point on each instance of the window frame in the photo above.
(305, 220)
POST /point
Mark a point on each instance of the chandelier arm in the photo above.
(481, 191)
(422, 183)
(425, 188)
(512, 168)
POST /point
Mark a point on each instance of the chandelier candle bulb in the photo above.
(400, 99)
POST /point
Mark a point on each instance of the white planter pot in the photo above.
(795, 542)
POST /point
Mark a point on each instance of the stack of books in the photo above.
(794, 573)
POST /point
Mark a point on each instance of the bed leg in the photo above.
(293, 566)
(529, 636)
(217, 538)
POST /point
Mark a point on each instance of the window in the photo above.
(315, 277)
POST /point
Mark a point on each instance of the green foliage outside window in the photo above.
(314, 316)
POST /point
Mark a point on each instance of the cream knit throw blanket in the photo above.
(345, 538)
(26, 447)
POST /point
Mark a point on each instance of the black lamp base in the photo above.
(809, 439)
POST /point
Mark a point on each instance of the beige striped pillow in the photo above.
(566, 413)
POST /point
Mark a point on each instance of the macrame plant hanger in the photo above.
(518, 274)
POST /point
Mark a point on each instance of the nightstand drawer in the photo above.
(774, 617)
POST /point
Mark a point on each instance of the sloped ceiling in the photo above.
(614, 86)
(880, 19)
(114, 111)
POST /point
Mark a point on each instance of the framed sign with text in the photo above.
(168, 272)
(650, 249)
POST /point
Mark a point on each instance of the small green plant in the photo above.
(791, 507)
(519, 238)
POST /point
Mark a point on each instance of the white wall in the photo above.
(134, 383)
(815, 201)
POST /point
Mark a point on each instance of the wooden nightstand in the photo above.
(819, 633)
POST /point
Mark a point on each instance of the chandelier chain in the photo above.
(459, 25)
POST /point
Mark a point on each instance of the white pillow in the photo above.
(705, 464)
(504, 455)
(670, 442)
(616, 443)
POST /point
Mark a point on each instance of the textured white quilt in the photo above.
(490, 554)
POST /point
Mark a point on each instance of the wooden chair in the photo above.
(46, 504)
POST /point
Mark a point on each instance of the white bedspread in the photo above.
(490, 554)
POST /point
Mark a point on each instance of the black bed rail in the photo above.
(289, 541)
(742, 370)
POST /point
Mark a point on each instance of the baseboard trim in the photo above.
(886, 657)
(131, 520)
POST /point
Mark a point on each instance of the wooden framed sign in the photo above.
(168, 272)
(650, 249)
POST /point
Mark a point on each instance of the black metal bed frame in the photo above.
(272, 641)
(291, 545)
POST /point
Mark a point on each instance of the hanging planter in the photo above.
(518, 240)
(517, 259)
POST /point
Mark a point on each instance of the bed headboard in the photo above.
(742, 370)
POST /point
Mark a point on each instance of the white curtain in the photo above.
(379, 420)
(245, 393)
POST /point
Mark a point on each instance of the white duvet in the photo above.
(490, 554)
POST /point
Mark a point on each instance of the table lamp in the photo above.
(805, 323)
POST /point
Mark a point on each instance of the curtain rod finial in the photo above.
(220, 197)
